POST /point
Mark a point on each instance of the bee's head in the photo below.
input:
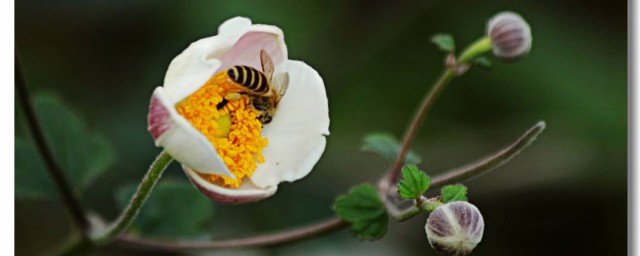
(261, 103)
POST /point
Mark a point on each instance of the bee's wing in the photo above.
(281, 84)
(267, 64)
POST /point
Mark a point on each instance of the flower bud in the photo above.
(510, 36)
(455, 228)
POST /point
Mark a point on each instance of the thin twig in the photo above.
(261, 240)
(476, 48)
(414, 127)
(482, 166)
(69, 199)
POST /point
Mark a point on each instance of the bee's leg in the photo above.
(222, 104)
(232, 96)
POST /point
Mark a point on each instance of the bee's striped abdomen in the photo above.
(250, 78)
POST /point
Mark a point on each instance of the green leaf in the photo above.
(81, 154)
(174, 209)
(483, 62)
(32, 179)
(386, 145)
(414, 182)
(457, 192)
(444, 41)
(362, 207)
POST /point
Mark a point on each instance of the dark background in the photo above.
(565, 195)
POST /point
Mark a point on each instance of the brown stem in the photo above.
(261, 240)
(69, 199)
(489, 163)
(414, 127)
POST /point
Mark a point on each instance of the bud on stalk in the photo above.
(510, 36)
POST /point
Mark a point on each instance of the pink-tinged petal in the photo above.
(297, 132)
(195, 65)
(246, 193)
(183, 142)
(158, 118)
(246, 51)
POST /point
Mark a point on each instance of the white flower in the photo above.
(217, 149)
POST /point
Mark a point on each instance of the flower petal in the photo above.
(297, 132)
(183, 142)
(246, 51)
(246, 193)
(234, 27)
(195, 65)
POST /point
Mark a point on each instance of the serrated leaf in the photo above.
(386, 145)
(81, 154)
(371, 229)
(444, 41)
(414, 182)
(361, 202)
(363, 208)
(174, 209)
(457, 192)
(483, 62)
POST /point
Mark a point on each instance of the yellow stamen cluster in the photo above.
(233, 129)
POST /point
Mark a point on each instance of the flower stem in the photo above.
(69, 199)
(478, 47)
(418, 119)
(489, 163)
(261, 240)
(403, 215)
(137, 201)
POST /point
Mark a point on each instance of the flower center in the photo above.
(231, 126)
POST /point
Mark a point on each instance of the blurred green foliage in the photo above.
(444, 41)
(104, 58)
(387, 146)
(174, 210)
(81, 154)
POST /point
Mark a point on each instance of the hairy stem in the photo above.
(68, 197)
(482, 166)
(137, 201)
(261, 240)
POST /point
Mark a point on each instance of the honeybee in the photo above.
(265, 93)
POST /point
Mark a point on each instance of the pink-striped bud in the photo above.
(510, 36)
(455, 228)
